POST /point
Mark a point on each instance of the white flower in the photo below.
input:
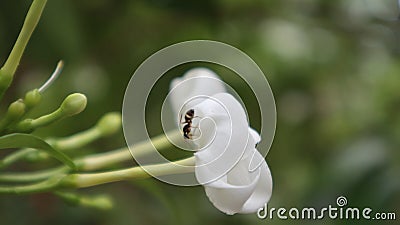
(225, 143)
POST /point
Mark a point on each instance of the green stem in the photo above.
(50, 184)
(88, 163)
(15, 156)
(88, 180)
(28, 125)
(107, 125)
(33, 176)
(77, 140)
(142, 148)
(46, 119)
(10, 66)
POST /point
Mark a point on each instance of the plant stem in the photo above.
(10, 66)
(87, 180)
(100, 160)
(15, 156)
(33, 176)
(77, 140)
(50, 184)
(142, 148)
(56, 178)
(88, 163)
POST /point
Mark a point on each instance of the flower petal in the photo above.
(255, 135)
(242, 191)
(194, 83)
(224, 136)
(246, 198)
(263, 190)
(255, 161)
(229, 198)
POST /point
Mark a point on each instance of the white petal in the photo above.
(255, 161)
(254, 138)
(241, 198)
(229, 198)
(195, 82)
(263, 190)
(224, 136)
(255, 135)
(242, 191)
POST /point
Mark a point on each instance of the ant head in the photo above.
(190, 112)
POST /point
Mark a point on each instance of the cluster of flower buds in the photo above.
(12, 123)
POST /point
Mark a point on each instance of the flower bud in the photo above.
(73, 104)
(102, 202)
(32, 98)
(109, 123)
(16, 110)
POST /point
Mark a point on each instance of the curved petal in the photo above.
(246, 197)
(224, 136)
(242, 191)
(262, 191)
(255, 135)
(230, 198)
(187, 90)
(255, 161)
(254, 138)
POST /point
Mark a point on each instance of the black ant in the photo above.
(188, 124)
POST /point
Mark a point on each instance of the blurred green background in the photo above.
(333, 67)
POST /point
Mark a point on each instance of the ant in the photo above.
(188, 124)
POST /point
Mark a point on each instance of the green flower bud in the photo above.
(16, 110)
(109, 123)
(102, 202)
(32, 98)
(73, 104)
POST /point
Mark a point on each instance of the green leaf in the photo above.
(30, 141)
